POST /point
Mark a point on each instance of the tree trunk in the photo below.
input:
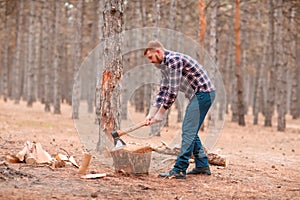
(202, 21)
(77, 59)
(272, 82)
(239, 76)
(30, 76)
(111, 76)
(5, 53)
(281, 71)
(213, 53)
(19, 46)
(294, 109)
(91, 68)
(155, 128)
(56, 62)
(45, 52)
(258, 85)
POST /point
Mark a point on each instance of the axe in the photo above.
(117, 134)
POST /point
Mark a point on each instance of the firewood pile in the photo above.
(33, 153)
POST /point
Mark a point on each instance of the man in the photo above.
(182, 73)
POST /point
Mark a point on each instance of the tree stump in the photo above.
(132, 159)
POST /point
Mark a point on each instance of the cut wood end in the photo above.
(12, 159)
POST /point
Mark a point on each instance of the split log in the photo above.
(12, 159)
(132, 159)
(34, 153)
(85, 164)
(42, 156)
(215, 159)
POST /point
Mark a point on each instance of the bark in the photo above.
(295, 68)
(5, 53)
(139, 95)
(45, 52)
(31, 70)
(258, 100)
(57, 57)
(19, 46)
(213, 53)
(98, 64)
(272, 82)
(202, 21)
(77, 59)
(155, 128)
(281, 71)
(37, 49)
(91, 69)
(111, 76)
(239, 76)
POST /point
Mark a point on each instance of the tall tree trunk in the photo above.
(155, 128)
(77, 59)
(30, 76)
(19, 47)
(56, 62)
(91, 69)
(202, 21)
(99, 63)
(294, 109)
(269, 109)
(213, 53)
(45, 52)
(5, 53)
(239, 76)
(281, 71)
(37, 49)
(258, 94)
(112, 73)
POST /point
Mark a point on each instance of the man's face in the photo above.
(154, 56)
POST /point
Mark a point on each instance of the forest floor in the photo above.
(263, 163)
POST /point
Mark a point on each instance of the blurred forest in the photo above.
(255, 44)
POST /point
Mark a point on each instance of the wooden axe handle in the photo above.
(132, 128)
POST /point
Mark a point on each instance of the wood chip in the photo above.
(93, 176)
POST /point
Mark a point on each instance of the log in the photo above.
(132, 159)
(12, 159)
(42, 156)
(85, 164)
(213, 158)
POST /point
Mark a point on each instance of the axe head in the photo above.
(117, 140)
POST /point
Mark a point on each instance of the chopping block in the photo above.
(132, 159)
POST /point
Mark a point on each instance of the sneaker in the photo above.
(173, 174)
(200, 170)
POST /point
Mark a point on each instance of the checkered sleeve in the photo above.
(175, 74)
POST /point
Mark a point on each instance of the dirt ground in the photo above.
(263, 163)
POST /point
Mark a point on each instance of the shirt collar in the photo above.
(166, 53)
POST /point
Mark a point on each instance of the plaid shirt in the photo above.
(180, 73)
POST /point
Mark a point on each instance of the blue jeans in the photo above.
(194, 116)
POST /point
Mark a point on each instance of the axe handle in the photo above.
(132, 128)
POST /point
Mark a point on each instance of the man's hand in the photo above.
(153, 110)
(158, 117)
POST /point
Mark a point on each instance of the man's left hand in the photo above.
(159, 116)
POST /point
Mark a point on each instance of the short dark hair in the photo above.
(152, 45)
